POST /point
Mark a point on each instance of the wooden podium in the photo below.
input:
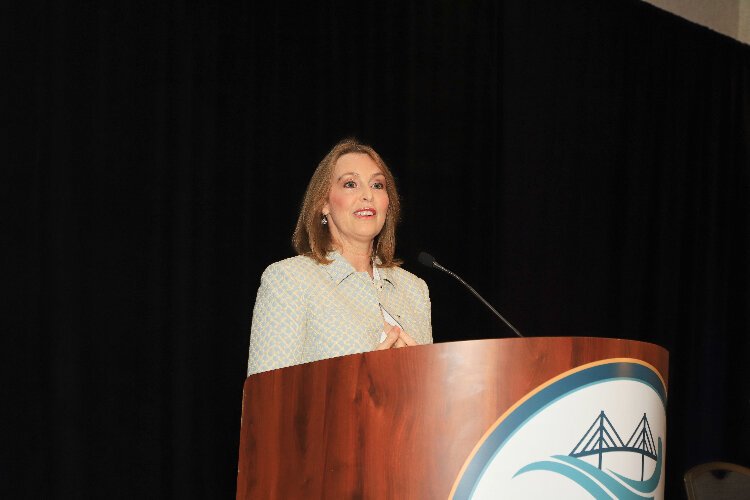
(402, 423)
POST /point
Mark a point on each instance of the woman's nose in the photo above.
(367, 193)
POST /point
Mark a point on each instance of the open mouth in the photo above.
(365, 212)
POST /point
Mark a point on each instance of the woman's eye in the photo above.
(378, 185)
(350, 184)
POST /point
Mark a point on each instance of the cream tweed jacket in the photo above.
(307, 311)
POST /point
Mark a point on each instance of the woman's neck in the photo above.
(360, 257)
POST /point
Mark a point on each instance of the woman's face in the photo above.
(357, 202)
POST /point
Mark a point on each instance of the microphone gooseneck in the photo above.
(429, 261)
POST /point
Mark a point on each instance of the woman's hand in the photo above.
(395, 337)
(404, 339)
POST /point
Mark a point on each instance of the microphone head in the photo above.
(426, 259)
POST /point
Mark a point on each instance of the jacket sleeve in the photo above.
(277, 335)
(425, 313)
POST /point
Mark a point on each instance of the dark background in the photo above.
(584, 164)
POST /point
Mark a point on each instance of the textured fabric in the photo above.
(307, 311)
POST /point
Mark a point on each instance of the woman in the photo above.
(344, 292)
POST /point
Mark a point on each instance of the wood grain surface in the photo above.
(397, 423)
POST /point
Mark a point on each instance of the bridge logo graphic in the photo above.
(562, 439)
(601, 439)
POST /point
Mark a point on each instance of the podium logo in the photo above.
(604, 439)
(561, 441)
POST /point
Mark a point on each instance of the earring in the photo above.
(324, 219)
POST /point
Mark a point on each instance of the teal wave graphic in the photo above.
(650, 484)
(584, 474)
(571, 473)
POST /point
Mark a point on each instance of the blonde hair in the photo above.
(313, 239)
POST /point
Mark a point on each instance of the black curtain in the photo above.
(584, 164)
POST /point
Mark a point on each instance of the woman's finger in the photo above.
(391, 338)
(406, 338)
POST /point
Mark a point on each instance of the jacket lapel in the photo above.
(339, 269)
(389, 294)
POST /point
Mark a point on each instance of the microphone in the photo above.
(428, 260)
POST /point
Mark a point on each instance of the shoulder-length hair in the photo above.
(313, 239)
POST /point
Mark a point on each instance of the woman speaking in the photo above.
(344, 292)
